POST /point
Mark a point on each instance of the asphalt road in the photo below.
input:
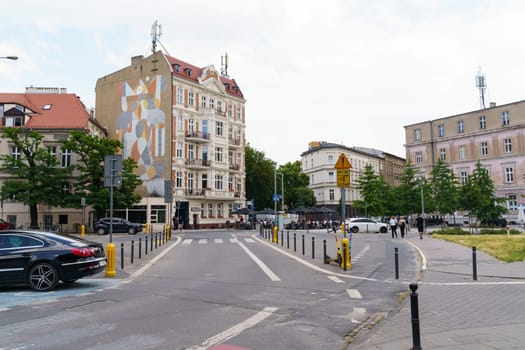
(221, 290)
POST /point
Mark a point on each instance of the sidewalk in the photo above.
(456, 312)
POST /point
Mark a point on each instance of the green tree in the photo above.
(406, 198)
(374, 193)
(90, 182)
(477, 196)
(259, 178)
(444, 188)
(296, 191)
(36, 177)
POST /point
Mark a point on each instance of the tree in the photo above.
(406, 198)
(90, 182)
(444, 188)
(296, 190)
(36, 177)
(259, 178)
(374, 193)
(477, 196)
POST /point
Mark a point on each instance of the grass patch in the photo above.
(502, 247)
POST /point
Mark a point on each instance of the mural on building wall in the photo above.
(141, 127)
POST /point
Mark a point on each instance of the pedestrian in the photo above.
(420, 225)
(402, 226)
(393, 226)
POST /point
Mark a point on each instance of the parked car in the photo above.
(365, 225)
(43, 259)
(119, 225)
(4, 225)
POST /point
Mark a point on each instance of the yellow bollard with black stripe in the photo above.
(346, 255)
(110, 267)
(275, 232)
(147, 227)
(82, 230)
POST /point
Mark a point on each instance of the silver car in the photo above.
(365, 225)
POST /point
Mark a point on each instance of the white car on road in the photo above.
(365, 225)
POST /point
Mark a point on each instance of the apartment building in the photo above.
(494, 136)
(318, 162)
(54, 114)
(185, 127)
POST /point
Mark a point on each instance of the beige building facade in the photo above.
(495, 136)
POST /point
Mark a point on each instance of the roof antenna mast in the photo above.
(481, 84)
(156, 32)
(224, 64)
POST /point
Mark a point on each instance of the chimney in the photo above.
(492, 104)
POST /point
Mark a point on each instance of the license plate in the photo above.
(102, 263)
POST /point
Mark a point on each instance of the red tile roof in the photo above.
(66, 110)
(195, 72)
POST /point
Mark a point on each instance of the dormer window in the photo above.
(188, 71)
(227, 86)
(47, 107)
(176, 67)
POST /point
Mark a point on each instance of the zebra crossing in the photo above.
(203, 241)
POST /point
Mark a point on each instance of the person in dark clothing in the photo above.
(402, 226)
(420, 225)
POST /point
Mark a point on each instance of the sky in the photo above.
(352, 72)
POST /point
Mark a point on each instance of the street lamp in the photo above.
(14, 58)
(422, 201)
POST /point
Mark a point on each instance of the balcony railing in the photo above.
(234, 166)
(193, 192)
(234, 142)
(198, 136)
(197, 163)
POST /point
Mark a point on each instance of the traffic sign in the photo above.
(342, 162)
(343, 178)
(276, 197)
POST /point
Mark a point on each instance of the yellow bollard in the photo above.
(147, 228)
(168, 233)
(343, 228)
(275, 232)
(346, 251)
(110, 268)
(82, 230)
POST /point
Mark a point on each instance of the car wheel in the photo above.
(43, 277)
(382, 230)
(101, 231)
(355, 229)
(132, 231)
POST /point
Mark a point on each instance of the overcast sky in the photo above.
(352, 72)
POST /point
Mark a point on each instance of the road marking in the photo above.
(235, 330)
(335, 279)
(187, 241)
(203, 241)
(249, 240)
(358, 314)
(218, 240)
(423, 257)
(259, 262)
(354, 294)
(234, 240)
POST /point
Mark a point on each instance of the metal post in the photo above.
(132, 250)
(324, 252)
(343, 209)
(396, 259)
(474, 265)
(416, 341)
(151, 245)
(313, 247)
(288, 239)
(344, 256)
(294, 242)
(122, 256)
(282, 240)
(146, 245)
(303, 244)
(140, 248)
(156, 240)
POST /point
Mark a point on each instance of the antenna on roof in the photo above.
(481, 85)
(224, 64)
(156, 32)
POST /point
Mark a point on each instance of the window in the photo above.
(179, 95)
(191, 125)
(417, 134)
(210, 209)
(441, 130)
(178, 179)
(218, 182)
(230, 157)
(330, 159)
(239, 185)
(419, 158)
(202, 211)
(331, 177)
(219, 210)
(509, 174)
(219, 106)
(179, 123)
(15, 153)
(191, 99)
(239, 112)
(505, 118)
(191, 151)
(230, 111)
(230, 183)
(52, 150)
(219, 128)
(218, 154)
(178, 151)
(442, 154)
(158, 214)
(66, 158)
(461, 127)
(512, 202)
(203, 101)
(463, 177)
(507, 145)
(461, 152)
(482, 122)
(190, 181)
(212, 103)
(331, 194)
(204, 181)
(484, 149)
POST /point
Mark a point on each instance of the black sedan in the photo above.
(119, 225)
(43, 259)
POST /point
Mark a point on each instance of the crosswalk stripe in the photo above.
(335, 279)
(203, 241)
(187, 241)
(218, 240)
(354, 294)
(249, 240)
(234, 240)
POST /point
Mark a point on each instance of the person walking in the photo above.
(393, 226)
(402, 226)
(420, 225)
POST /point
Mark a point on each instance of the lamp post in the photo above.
(13, 58)
(422, 201)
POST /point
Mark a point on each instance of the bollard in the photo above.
(474, 265)
(146, 245)
(82, 230)
(275, 237)
(325, 260)
(416, 341)
(288, 239)
(151, 245)
(122, 256)
(140, 248)
(147, 228)
(313, 247)
(282, 240)
(396, 260)
(303, 244)
(347, 261)
(110, 267)
(294, 242)
(344, 257)
(132, 250)
(156, 240)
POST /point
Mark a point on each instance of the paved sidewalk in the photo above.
(456, 312)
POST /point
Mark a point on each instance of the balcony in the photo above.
(234, 167)
(197, 163)
(197, 136)
(234, 142)
(194, 193)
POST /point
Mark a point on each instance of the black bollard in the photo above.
(282, 240)
(122, 256)
(146, 245)
(288, 239)
(396, 260)
(416, 341)
(474, 265)
(325, 260)
(313, 247)
(156, 240)
(132, 250)
(294, 242)
(344, 257)
(151, 245)
(140, 248)
(303, 244)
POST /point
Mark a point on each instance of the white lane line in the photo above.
(259, 262)
(249, 240)
(423, 257)
(235, 330)
(203, 241)
(187, 241)
(354, 294)
(335, 279)
(218, 240)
